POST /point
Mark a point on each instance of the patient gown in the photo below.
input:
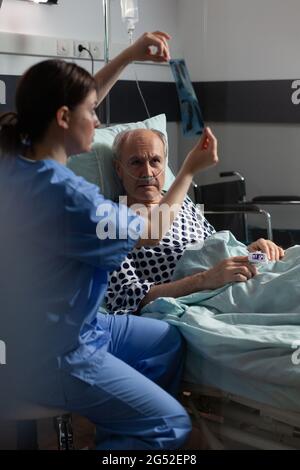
(147, 266)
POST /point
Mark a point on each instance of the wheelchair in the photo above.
(227, 208)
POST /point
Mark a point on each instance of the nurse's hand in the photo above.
(235, 269)
(273, 251)
(203, 155)
(150, 46)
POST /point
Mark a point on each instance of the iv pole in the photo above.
(106, 17)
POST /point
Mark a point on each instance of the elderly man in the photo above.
(146, 273)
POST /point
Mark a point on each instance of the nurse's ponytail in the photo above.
(10, 137)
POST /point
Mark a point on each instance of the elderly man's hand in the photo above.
(141, 48)
(203, 155)
(235, 269)
(273, 251)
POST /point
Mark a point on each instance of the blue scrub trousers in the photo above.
(127, 403)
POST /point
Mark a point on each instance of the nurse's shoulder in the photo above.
(64, 181)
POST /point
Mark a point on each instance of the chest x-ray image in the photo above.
(191, 116)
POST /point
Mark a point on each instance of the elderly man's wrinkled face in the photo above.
(141, 166)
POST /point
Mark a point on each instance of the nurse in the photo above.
(118, 371)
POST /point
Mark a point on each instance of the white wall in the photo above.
(240, 39)
(247, 40)
(68, 18)
(83, 20)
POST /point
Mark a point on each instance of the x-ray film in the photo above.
(191, 116)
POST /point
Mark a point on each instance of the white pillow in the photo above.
(97, 166)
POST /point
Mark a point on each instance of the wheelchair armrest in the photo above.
(243, 208)
(240, 207)
(276, 199)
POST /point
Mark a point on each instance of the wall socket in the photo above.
(96, 49)
(83, 54)
(69, 48)
(64, 47)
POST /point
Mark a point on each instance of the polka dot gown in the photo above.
(146, 266)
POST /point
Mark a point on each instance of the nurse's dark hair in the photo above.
(41, 91)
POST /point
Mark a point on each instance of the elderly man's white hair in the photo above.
(121, 137)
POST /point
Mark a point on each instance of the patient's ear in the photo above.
(63, 117)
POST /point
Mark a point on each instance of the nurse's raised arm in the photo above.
(158, 221)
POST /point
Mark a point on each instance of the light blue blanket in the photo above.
(243, 337)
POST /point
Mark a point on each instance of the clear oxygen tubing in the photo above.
(142, 179)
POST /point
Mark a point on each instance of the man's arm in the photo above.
(235, 269)
(138, 51)
(185, 286)
(202, 156)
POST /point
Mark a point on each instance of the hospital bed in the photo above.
(229, 419)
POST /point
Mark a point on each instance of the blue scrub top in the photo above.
(53, 268)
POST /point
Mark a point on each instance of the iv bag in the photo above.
(129, 12)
